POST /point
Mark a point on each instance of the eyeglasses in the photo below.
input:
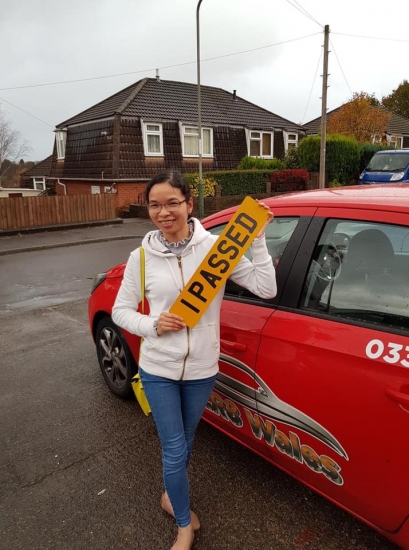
(172, 206)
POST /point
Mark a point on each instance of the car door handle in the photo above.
(232, 345)
(399, 396)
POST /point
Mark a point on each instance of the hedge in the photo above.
(342, 159)
(236, 182)
(258, 163)
(289, 180)
(209, 184)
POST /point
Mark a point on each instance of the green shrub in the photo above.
(209, 184)
(334, 183)
(342, 156)
(258, 163)
(292, 159)
(236, 182)
(309, 153)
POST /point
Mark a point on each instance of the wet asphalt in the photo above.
(81, 469)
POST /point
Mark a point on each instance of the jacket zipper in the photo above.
(187, 328)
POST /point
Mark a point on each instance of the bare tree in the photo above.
(12, 146)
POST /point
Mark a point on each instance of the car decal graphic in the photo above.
(264, 401)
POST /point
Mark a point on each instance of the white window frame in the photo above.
(251, 136)
(147, 133)
(61, 141)
(95, 190)
(37, 181)
(183, 128)
(395, 140)
(288, 141)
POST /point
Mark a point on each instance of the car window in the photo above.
(278, 234)
(360, 271)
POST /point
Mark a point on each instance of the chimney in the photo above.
(234, 95)
(157, 75)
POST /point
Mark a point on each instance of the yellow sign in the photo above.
(220, 261)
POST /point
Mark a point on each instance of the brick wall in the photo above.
(126, 192)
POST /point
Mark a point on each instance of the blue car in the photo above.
(387, 167)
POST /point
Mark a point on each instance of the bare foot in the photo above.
(167, 507)
(185, 538)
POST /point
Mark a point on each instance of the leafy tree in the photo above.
(398, 100)
(360, 118)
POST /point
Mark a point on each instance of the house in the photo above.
(120, 143)
(397, 131)
(36, 177)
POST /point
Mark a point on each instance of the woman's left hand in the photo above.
(270, 218)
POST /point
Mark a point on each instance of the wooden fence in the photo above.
(23, 212)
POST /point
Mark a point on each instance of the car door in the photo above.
(243, 317)
(333, 365)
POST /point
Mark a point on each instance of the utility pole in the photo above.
(324, 110)
(199, 113)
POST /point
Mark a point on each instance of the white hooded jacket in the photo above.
(189, 354)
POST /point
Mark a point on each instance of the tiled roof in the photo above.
(397, 123)
(41, 169)
(106, 108)
(177, 101)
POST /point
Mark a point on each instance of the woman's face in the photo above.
(172, 224)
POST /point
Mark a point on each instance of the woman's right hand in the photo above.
(168, 322)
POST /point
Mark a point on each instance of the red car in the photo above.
(316, 380)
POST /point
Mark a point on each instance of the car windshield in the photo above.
(388, 162)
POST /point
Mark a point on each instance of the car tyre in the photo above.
(115, 358)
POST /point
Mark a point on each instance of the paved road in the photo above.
(80, 469)
(81, 233)
(30, 280)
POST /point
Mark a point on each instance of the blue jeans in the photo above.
(177, 406)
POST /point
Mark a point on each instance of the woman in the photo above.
(178, 365)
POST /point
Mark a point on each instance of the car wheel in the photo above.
(115, 359)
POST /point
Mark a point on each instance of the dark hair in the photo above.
(175, 179)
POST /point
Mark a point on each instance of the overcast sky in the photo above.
(44, 41)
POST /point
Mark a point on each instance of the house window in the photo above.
(290, 140)
(95, 190)
(39, 184)
(260, 144)
(397, 141)
(153, 139)
(190, 141)
(61, 139)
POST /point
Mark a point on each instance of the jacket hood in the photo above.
(153, 245)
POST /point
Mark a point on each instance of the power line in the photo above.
(371, 37)
(304, 12)
(160, 68)
(26, 112)
(313, 82)
(342, 71)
